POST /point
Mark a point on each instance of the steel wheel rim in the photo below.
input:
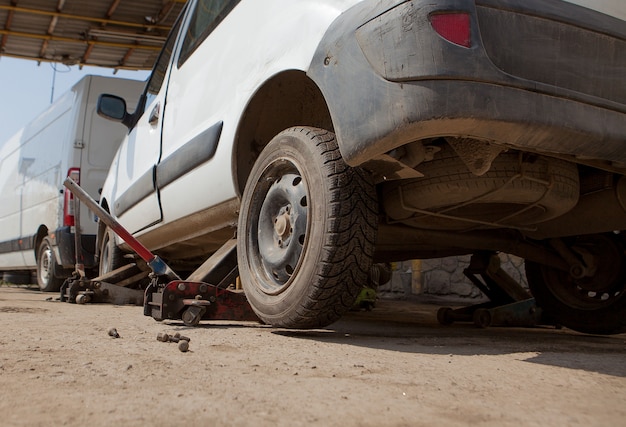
(280, 226)
(603, 288)
(45, 263)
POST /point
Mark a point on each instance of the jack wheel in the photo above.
(444, 316)
(191, 316)
(482, 318)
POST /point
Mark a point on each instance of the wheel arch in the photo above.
(288, 99)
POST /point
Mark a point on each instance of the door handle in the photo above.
(155, 114)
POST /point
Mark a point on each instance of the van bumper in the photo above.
(389, 79)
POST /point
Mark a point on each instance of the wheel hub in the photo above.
(282, 229)
(45, 265)
(605, 282)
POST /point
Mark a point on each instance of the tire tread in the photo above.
(348, 243)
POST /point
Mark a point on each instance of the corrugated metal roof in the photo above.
(123, 34)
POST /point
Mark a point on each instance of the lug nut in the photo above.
(177, 337)
(183, 346)
(182, 337)
(113, 333)
(163, 337)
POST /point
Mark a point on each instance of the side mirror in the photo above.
(112, 107)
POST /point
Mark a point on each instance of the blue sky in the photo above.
(26, 89)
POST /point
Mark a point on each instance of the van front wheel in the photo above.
(307, 230)
(111, 256)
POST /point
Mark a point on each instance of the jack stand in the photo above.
(510, 304)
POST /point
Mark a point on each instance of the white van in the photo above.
(36, 214)
(330, 134)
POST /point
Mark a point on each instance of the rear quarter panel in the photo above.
(614, 8)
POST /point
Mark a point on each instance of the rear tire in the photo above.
(307, 230)
(47, 279)
(593, 305)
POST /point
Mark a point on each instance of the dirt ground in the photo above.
(394, 366)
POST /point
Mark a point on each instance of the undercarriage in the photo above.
(564, 219)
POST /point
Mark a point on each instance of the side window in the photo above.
(160, 68)
(207, 15)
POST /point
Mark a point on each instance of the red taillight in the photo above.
(68, 199)
(454, 27)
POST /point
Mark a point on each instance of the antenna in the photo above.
(54, 79)
(55, 70)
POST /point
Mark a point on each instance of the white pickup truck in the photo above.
(330, 134)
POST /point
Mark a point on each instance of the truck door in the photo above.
(137, 202)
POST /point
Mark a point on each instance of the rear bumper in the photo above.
(390, 79)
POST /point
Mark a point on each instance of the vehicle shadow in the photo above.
(412, 328)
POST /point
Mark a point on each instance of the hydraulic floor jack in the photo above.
(510, 304)
(204, 295)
